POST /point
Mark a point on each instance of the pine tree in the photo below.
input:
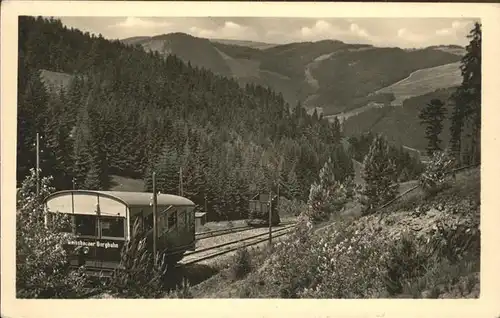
(292, 187)
(432, 116)
(32, 112)
(327, 195)
(343, 165)
(466, 118)
(379, 173)
(167, 172)
(56, 144)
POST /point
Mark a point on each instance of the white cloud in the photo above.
(409, 36)
(357, 30)
(134, 22)
(230, 30)
(380, 32)
(456, 26)
(229, 25)
(325, 30)
(321, 29)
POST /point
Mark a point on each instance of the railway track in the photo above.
(215, 233)
(224, 248)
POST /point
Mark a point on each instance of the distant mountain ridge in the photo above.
(250, 44)
(329, 74)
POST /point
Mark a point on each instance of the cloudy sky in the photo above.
(402, 32)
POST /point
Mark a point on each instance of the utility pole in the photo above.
(270, 216)
(180, 183)
(279, 182)
(154, 216)
(37, 164)
(206, 210)
(73, 181)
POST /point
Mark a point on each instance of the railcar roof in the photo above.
(136, 199)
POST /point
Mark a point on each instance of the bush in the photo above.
(406, 260)
(341, 264)
(433, 179)
(138, 275)
(292, 207)
(42, 269)
(242, 264)
(455, 238)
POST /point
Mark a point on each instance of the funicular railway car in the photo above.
(103, 221)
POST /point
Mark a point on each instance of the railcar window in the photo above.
(112, 227)
(172, 220)
(86, 225)
(181, 218)
(148, 222)
(162, 219)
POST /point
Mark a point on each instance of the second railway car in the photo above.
(259, 207)
(103, 220)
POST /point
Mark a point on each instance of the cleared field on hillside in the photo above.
(119, 183)
(424, 81)
(55, 80)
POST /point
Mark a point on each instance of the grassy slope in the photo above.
(424, 81)
(250, 44)
(55, 80)
(447, 282)
(400, 124)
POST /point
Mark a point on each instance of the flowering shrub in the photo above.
(432, 179)
(292, 265)
(339, 264)
(42, 269)
(365, 260)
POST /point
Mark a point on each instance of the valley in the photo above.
(316, 74)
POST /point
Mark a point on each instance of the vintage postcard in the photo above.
(242, 155)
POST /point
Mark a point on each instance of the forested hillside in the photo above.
(331, 74)
(129, 112)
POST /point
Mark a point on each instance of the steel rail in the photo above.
(225, 251)
(236, 241)
(220, 232)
